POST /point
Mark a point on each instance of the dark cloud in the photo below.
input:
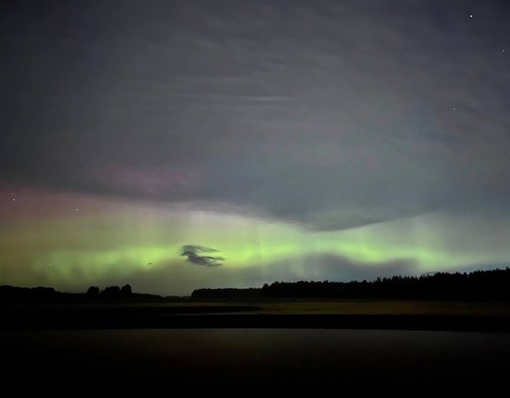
(194, 254)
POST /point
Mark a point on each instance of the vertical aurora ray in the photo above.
(114, 240)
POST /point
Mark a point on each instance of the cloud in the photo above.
(193, 254)
(333, 114)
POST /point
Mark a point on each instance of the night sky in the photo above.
(176, 145)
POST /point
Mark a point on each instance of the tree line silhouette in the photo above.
(94, 294)
(477, 285)
(493, 285)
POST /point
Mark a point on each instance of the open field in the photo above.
(412, 315)
(297, 306)
(381, 307)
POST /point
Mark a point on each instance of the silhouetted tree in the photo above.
(126, 290)
(111, 291)
(93, 291)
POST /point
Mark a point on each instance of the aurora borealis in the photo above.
(300, 140)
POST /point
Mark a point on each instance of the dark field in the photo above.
(295, 344)
(163, 360)
(405, 315)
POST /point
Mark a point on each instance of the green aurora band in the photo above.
(125, 240)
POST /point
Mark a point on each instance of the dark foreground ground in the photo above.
(438, 316)
(214, 347)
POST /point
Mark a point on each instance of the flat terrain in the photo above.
(388, 308)
(410, 315)
(294, 343)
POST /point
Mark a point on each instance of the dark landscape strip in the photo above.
(128, 309)
(307, 321)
